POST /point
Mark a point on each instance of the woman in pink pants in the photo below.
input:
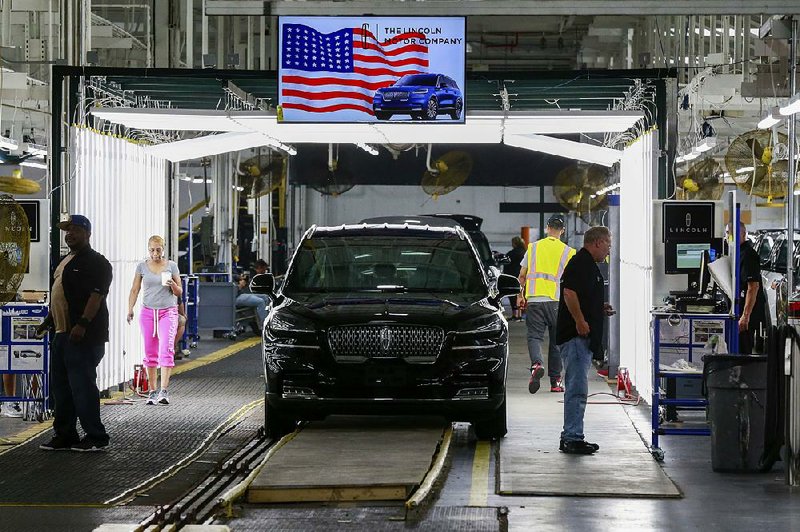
(160, 282)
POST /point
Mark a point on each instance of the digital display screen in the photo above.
(371, 69)
(689, 255)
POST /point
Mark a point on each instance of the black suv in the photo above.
(386, 319)
(471, 224)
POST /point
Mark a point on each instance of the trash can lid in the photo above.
(734, 357)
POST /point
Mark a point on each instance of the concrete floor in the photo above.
(471, 484)
(468, 499)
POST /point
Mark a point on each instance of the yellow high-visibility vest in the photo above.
(547, 259)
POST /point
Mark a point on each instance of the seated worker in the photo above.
(261, 266)
(248, 299)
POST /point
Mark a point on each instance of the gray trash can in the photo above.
(737, 404)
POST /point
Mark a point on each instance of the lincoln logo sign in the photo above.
(688, 221)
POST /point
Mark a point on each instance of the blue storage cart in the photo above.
(21, 353)
(691, 345)
(191, 334)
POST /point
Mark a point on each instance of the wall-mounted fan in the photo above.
(446, 173)
(334, 179)
(16, 184)
(261, 175)
(575, 188)
(15, 242)
(702, 181)
(756, 162)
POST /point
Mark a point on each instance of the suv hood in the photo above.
(445, 311)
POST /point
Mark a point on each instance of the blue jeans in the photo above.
(577, 359)
(542, 316)
(256, 301)
(73, 382)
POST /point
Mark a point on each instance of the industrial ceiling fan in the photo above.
(446, 173)
(575, 188)
(15, 242)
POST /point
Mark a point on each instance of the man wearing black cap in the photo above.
(540, 275)
(79, 315)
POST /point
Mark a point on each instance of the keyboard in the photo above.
(683, 293)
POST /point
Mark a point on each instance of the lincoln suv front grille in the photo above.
(413, 343)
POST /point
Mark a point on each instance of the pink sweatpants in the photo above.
(159, 327)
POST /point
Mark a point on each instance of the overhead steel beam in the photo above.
(537, 7)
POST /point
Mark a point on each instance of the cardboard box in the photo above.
(33, 296)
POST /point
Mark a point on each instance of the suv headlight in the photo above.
(420, 91)
(284, 325)
(479, 332)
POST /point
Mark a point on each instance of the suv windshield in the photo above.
(384, 263)
(425, 80)
(482, 247)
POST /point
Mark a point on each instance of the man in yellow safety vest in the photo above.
(540, 275)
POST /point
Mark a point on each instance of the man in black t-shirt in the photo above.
(752, 315)
(579, 332)
(78, 314)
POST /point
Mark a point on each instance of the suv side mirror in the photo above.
(263, 283)
(507, 285)
(500, 258)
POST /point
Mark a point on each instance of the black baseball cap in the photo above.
(76, 219)
(556, 221)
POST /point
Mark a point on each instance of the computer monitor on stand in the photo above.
(691, 259)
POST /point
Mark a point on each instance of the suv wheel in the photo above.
(432, 109)
(382, 115)
(493, 427)
(455, 114)
(275, 425)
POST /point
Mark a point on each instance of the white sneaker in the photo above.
(12, 410)
(152, 397)
(163, 397)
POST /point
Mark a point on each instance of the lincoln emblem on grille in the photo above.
(386, 339)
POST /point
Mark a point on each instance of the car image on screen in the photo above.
(423, 96)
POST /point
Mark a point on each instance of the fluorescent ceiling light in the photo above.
(485, 127)
(707, 144)
(170, 119)
(566, 122)
(792, 107)
(205, 146)
(477, 130)
(565, 148)
(745, 169)
(772, 118)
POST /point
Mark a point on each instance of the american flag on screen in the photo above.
(341, 70)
